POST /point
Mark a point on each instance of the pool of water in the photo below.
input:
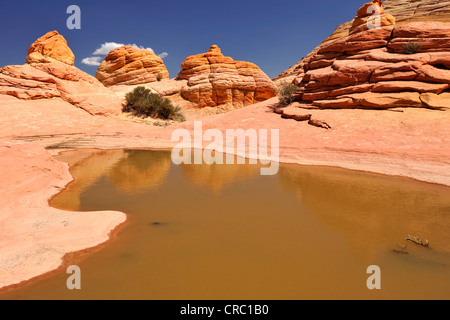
(226, 232)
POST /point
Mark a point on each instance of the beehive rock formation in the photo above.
(54, 76)
(371, 15)
(128, 65)
(52, 45)
(214, 80)
(403, 11)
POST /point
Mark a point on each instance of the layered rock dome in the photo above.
(403, 11)
(128, 65)
(206, 80)
(365, 20)
(49, 73)
(370, 69)
(52, 45)
(213, 80)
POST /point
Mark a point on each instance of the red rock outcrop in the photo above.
(52, 45)
(368, 9)
(403, 11)
(370, 69)
(128, 65)
(371, 15)
(214, 80)
(54, 76)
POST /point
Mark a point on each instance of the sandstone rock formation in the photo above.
(54, 76)
(419, 10)
(403, 11)
(369, 69)
(369, 8)
(52, 45)
(214, 80)
(128, 65)
(371, 15)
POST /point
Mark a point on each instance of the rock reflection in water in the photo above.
(138, 171)
(374, 212)
(216, 177)
(128, 170)
(226, 232)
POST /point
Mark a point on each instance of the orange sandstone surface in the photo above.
(407, 141)
(404, 65)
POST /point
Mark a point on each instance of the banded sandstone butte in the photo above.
(213, 80)
(49, 73)
(369, 69)
(403, 11)
(128, 65)
(52, 45)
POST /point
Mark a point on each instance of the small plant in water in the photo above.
(286, 93)
(411, 47)
(143, 102)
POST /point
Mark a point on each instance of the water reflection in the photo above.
(137, 171)
(216, 177)
(87, 166)
(372, 211)
(225, 232)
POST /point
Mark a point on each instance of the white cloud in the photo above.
(163, 55)
(92, 61)
(106, 47)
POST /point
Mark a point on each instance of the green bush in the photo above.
(142, 102)
(411, 47)
(286, 93)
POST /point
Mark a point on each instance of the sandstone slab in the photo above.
(436, 101)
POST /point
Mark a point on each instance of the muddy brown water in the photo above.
(226, 232)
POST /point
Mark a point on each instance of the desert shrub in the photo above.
(143, 102)
(286, 93)
(411, 47)
(159, 77)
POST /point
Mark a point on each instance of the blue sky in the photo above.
(272, 34)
